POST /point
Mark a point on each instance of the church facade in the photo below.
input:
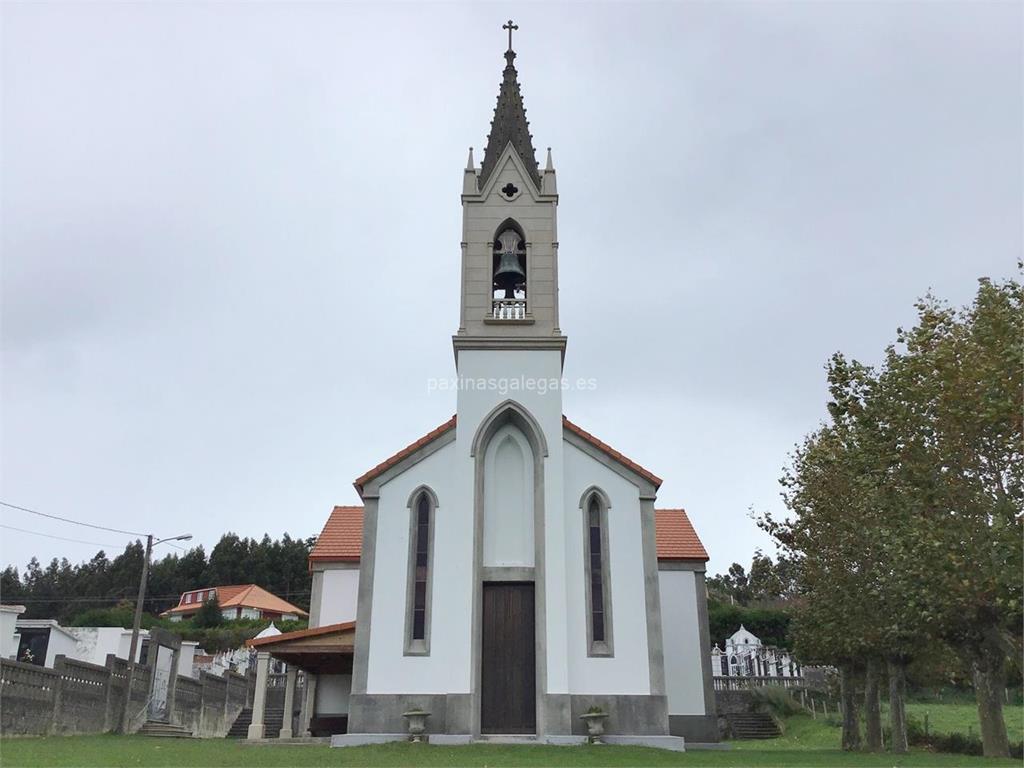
(509, 571)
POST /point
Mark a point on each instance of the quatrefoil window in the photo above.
(509, 190)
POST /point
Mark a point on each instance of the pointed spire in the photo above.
(469, 186)
(548, 184)
(509, 123)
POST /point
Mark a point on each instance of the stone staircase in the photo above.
(272, 722)
(161, 729)
(752, 725)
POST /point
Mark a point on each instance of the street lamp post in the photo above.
(137, 623)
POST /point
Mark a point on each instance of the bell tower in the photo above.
(509, 297)
(509, 352)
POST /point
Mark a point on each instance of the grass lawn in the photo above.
(961, 718)
(807, 743)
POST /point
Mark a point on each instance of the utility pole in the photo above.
(137, 624)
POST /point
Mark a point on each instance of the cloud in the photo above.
(231, 235)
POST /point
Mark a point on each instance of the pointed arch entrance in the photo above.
(509, 669)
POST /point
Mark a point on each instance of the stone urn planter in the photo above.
(595, 719)
(417, 720)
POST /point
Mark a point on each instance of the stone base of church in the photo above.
(673, 743)
(702, 729)
(382, 712)
(627, 715)
(560, 714)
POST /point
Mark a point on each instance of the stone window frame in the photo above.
(605, 647)
(419, 646)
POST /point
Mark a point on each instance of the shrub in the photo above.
(208, 615)
(953, 743)
(121, 616)
(776, 700)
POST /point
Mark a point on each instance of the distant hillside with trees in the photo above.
(63, 591)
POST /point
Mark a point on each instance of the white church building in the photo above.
(507, 571)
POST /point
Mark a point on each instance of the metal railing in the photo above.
(742, 683)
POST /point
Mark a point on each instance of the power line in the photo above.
(61, 538)
(69, 520)
(111, 598)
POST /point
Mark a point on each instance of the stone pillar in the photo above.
(259, 699)
(308, 704)
(289, 703)
(56, 725)
(172, 683)
(109, 716)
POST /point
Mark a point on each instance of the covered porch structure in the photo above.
(324, 654)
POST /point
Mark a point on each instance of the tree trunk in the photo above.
(872, 709)
(989, 687)
(851, 712)
(897, 711)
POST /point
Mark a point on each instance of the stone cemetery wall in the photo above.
(28, 695)
(82, 698)
(187, 710)
(215, 694)
(76, 697)
(733, 702)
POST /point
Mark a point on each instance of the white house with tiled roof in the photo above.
(508, 571)
(237, 601)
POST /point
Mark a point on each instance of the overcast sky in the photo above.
(231, 236)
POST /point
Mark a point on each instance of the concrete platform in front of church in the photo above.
(671, 743)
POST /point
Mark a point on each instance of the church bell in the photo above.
(509, 273)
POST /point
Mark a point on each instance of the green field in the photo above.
(962, 718)
(807, 742)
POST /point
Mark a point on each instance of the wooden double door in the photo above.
(508, 663)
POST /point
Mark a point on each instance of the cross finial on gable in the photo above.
(510, 26)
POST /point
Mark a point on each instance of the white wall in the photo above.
(508, 501)
(332, 692)
(681, 636)
(474, 405)
(339, 595)
(8, 632)
(447, 668)
(187, 658)
(60, 643)
(125, 644)
(94, 643)
(628, 671)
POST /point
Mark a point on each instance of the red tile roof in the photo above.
(298, 634)
(243, 596)
(407, 451)
(675, 536)
(450, 424)
(625, 460)
(342, 536)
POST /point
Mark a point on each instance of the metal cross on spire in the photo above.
(510, 26)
